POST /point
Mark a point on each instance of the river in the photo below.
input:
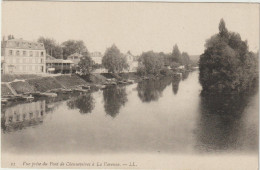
(153, 116)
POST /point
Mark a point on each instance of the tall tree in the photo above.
(176, 54)
(185, 58)
(51, 46)
(113, 60)
(73, 46)
(226, 64)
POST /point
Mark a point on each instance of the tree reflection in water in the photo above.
(114, 98)
(175, 84)
(185, 75)
(151, 90)
(220, 123)
(85, 103)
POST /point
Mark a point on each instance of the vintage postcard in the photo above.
(129, 85)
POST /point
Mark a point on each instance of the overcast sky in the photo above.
(131, 26)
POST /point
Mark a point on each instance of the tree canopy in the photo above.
(51, 47)
(226, 64)
(176, 54)
(151, 62)
(114, 60)
(86, 63)
(73, 46)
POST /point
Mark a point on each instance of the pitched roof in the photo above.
(75, 54)
(23, 44)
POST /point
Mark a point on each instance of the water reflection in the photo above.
(114, 99)
(221, 123)
(175, 84)
(151, 90)
(185, 75)
(22, 116)
(85, 103)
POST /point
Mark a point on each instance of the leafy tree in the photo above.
(72, 46)
(86, 63)
(176, 54)
(226, 64)
(151, 62)
(185, 59)
(52, 48)
(113, 60)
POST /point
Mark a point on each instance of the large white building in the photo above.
(23, 57)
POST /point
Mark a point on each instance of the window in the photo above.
(24, 53)
(24, 60)
(10, 52)
(42, 53)
(17, 60)
(31, 53)
(37, 53)
(24, 68)
(41, 60)
(17, 53)
(30, 60)
(41, 68)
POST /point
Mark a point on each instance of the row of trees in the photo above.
(64, 49)
(113, 60)
(226, 64)
(155, 63)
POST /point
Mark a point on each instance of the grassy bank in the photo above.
(38, 83)
(69, 81)
(22, 87)
(5, 91)
(45, 83)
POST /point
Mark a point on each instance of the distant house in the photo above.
(132, 62)
(23, 57)
(75, 58)
(54, 65)
(96, 57)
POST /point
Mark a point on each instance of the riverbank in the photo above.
(26, 87)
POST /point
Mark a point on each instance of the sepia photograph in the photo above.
(129, 85)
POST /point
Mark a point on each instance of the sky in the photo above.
(134, 26)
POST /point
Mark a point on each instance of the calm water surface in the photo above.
(166, 116)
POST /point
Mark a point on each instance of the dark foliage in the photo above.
(226, 66)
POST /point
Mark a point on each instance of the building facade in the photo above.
(96, 57)
(23, 57)
(132, 62)
(75, 58)
(54, 65)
